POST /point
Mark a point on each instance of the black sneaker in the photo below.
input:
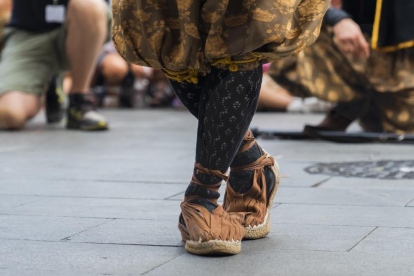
(55, 101)
(82, 114)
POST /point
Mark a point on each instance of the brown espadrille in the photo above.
(253, 207)
(209, 231)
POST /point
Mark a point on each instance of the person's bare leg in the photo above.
(114, 69)
(273, 99)
(87, 29)
(16, 108)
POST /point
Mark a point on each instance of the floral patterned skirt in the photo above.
(193, 35)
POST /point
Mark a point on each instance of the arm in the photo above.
(348, 33)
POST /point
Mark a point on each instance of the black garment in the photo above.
(361, 11)
(333, 16)
(30, 15)
(396, 25)
(224, 103)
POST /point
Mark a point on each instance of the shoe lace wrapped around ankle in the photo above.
(203, 225)
(251, 206)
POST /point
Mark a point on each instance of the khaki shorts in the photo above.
(29, 60)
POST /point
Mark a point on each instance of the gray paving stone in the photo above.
(365, 183)
(344, 215)
(78, 165)
(79, 176)
(283, 236)
(78, 259)
(272, 261)
(96, 189)
(372, 197)
(294, 175)
(123, 231)
(37, 272)
(312, 237)
(43, 228)
(9, 201)
(396, 240)
(101, 208)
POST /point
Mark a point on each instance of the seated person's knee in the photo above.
(11, 119)
(114, 69)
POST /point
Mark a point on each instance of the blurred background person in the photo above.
(43, 39)
(373, 84)
(273, 97)
(115, 76)
(5, 10)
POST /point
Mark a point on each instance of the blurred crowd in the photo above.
(343, 75)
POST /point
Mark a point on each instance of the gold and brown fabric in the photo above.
(386, 79)
(201, 225)
(187, 37)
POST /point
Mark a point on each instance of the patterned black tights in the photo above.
(224, 103)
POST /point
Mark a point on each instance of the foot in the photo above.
(55, 101)
(252, 202)
(83, 116)
(205, 227)
(332, 122)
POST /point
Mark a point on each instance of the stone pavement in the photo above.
(74, 203)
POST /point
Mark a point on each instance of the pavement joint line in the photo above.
(86, 197)
(98, 243)
(273, 223)
(407, 205)
(162, 264)
(320, 204)
(98, 181)
(68, 237)
(129, 244)
(349, 250)
(27, 203)
(316, 185)
(23, 215)
(342, 205)
(275, 205)
(171, 246)
(169, 197)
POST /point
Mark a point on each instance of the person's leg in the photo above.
(114, 69)
(85, 32)
(16, 108)
(86, 27)
(273, 97)
(228, 101)
(243, 183)
(26, 66)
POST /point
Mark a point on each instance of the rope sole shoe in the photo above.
(206, 228)
(263, 229)
(253, 205)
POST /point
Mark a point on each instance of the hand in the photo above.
(350, 39)
(336, 4)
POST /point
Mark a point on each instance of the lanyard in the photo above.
(55, 2)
